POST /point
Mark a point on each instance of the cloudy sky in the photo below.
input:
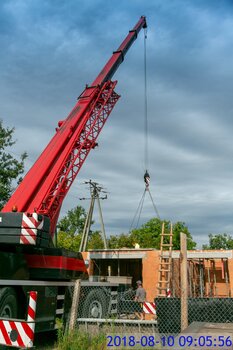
(51, 49)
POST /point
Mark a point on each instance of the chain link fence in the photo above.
(106, 308)
(215, 310)
(103, 308)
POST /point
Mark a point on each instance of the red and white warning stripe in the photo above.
(149, 308)
(32, 307)
(20, 333)
(17, 334)
(30, 225)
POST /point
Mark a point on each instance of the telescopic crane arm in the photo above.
(118, 55)
(46, 184)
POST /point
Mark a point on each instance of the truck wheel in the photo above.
(8, 303)
(95, 305)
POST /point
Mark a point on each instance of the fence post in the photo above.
(184, 281)
(74, 306)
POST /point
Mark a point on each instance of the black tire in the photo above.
(95, 305)
(8, 303)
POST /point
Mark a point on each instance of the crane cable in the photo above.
(145, 105)
(146, 151)
(138, 212)
(146, 175)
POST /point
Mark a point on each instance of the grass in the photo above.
(78, 340)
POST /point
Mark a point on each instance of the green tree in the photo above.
(70, 229)
(95, 241)
(219, 241)
(10, 168)
(73, 222)
(149, 236)
(181, 227)
(120, 241)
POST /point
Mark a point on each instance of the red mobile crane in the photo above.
(28, 220)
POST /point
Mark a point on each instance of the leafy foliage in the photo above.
(95, 241)
(71, 228)
(181, 227)
(10, 168)
(73, 222)
(120, 241)
(147, 236)
(219, 241)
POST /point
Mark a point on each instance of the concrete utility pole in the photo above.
(95, 190)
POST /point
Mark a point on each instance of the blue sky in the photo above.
(51, 49)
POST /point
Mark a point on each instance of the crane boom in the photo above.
(118, 56)
(46, 184)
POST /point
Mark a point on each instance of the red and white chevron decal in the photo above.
(20, 333)
(17, 334)
(149, 308)
(30, 225)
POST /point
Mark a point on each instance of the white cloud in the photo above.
(49, 53)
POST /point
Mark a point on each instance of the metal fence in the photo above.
(169, 312)
(104, 307)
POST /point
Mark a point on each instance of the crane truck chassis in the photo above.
(29, 261)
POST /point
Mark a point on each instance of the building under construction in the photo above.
(210, 272)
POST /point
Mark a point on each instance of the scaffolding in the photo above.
(207, 277)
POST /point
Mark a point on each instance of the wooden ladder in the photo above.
(165, 262)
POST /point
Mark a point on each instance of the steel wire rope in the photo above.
(153, 203)
(138, 209)
(146, 147)
(145, 105)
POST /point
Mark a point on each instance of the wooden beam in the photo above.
(184, 280)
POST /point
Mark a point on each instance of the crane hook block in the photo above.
(147, 179)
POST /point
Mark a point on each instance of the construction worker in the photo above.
(140, 297)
